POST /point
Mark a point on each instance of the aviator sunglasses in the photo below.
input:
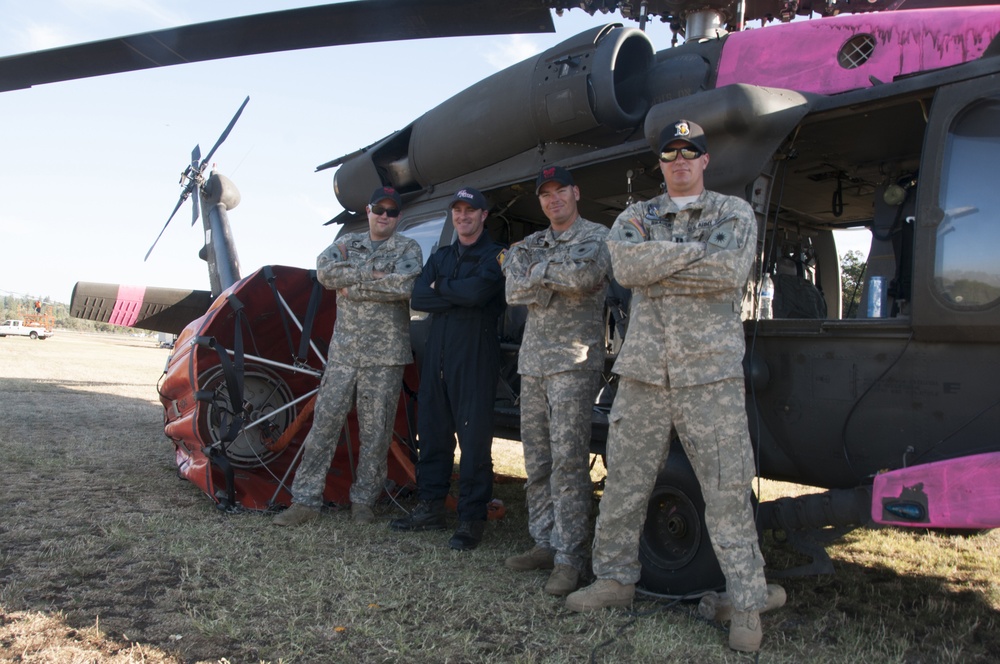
(379, 210)
(671, 154)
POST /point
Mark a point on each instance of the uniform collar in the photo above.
(388, 242)
(566, 235)
(668, 205)
(482, 239)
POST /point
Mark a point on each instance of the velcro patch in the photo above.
(630, 231)
(584, 250)
(723, 236)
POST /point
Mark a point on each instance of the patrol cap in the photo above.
(684, 130)
(383, 193)
(553, 174)
(471, 196)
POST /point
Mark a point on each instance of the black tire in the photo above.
(674, 549)
(33, 334)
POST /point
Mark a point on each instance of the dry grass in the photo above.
(105, 556)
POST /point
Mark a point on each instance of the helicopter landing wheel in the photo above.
(264, 393)
(674, 549)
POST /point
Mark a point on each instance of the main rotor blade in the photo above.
(355, 22)
(224, 136)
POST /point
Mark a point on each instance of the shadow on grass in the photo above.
(98, 529)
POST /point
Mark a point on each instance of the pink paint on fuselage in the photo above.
(960, 493)
(802, 56)
(127, 305)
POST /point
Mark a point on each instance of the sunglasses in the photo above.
(671, 155)
(379, 210)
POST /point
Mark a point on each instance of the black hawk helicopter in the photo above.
(880, 114)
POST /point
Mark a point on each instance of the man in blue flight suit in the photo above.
(462, 287)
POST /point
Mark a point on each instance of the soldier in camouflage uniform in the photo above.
(561, 275)
(686, 255)
(373, 273)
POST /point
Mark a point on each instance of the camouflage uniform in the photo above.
(562, 280)
(681, 366)
(370, 347)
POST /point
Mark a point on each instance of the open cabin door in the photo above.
(956, 266)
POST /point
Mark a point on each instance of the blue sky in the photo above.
(90, 168)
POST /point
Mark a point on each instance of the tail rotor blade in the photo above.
(195, 207)
(177, 207)
(192, 178)
(225, 134)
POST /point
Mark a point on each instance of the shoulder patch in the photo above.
(501, 257)
(584, 250)
(723, 236)
(629, 231)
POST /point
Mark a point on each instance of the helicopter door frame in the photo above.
(956, 186)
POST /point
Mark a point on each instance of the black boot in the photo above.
(427, 515)
(467, 536)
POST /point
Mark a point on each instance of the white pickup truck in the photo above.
(19, 328)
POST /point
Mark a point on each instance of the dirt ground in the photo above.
(106, 556)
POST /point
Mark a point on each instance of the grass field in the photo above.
(106, 556)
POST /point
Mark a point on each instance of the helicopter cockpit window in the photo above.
(427, 233)
(967, 260)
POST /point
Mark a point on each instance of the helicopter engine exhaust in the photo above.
(593, 79)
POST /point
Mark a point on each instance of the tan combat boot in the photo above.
(362, 513)
(563, 580)
(540, 557)
(296, 515)
(600, 594)
(718, 606)
(745, 633)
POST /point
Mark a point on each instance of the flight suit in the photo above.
(562, 279)
(681, 366)
(369, 349)
(462, 289)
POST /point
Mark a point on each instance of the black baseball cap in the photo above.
(684, 130)
(471, 196)
(383, 193)
(553, 174)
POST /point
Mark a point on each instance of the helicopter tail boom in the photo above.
(160, 309)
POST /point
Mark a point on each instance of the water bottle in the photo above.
(766, 297)
(876, 297)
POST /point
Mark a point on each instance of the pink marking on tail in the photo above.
(128, 305)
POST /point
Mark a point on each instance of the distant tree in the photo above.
(852, 274)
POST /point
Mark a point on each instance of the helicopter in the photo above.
(879, 114)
